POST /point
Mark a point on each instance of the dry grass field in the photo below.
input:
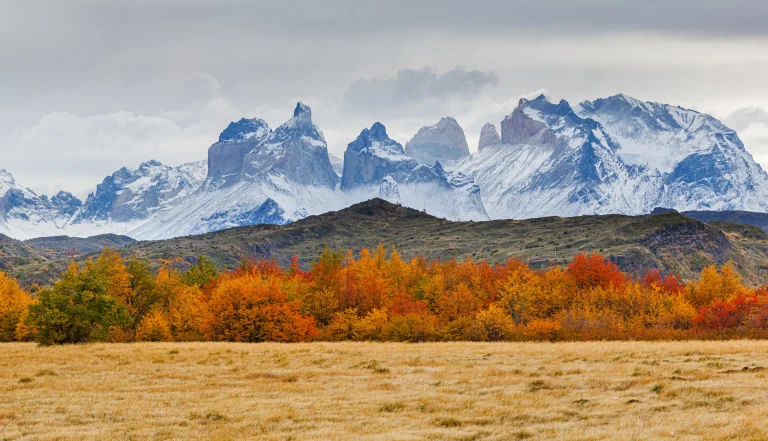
(328, 391)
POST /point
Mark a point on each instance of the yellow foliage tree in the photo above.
(14, 302)
(154, 327)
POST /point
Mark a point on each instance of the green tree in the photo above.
(201, 273)
(77, 309)
(143, 295)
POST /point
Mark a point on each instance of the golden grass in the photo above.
(335, 391)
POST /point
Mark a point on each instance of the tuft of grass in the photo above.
(46, 373)
(523, 434)
(214, 416)
(538, 385)
(392, 407)
(449, 422)
(26, 380)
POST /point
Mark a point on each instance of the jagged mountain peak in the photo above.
(131, 195)
(300, 125)
(447, 121)
(302, 111)
(556, 125)
(244, 129)
(7, 181)
(372, 156)
(378, 131)
(376, 136)
(488, 136)
(149, 164)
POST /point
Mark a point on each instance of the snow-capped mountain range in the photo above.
(612, 155)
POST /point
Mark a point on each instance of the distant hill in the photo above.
(80, 245)
(38, 261)
(668, 241)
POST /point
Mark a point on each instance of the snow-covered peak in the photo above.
(7, 182)
(554, 125)
(657, 135)
(488, 136)
(300, 126)
(244, 129)
(135, 194)
(376, 141)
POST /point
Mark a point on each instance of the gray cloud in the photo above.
(91, 86)
(409, 87)
(744, 118)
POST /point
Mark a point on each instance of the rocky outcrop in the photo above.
(444, 142)
(488, 136)
(372, 157)
(225, 158)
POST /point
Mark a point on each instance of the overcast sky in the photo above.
(87, 87)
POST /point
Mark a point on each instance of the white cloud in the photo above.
(74, 153)
(751, 123)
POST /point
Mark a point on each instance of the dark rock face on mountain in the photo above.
(444, 142)
(373, 156)
(488, 136)
(65, 203)
(135, 194)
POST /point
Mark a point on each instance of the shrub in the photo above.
(154, 327)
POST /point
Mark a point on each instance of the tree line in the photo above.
(377, 296)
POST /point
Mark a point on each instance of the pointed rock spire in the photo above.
(488, 136)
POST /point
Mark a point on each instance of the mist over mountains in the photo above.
(611, 155)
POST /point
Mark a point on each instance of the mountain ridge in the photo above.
(610, 155)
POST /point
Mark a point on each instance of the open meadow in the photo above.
(385, 391)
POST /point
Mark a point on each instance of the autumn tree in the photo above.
(593, 270)
(13, 307)
(252, 307)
